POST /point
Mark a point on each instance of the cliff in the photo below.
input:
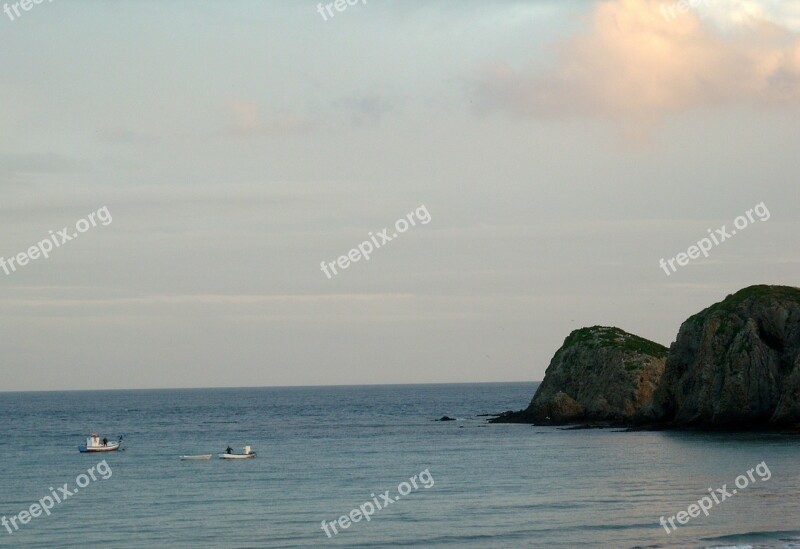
(735, 365)
(599, 374)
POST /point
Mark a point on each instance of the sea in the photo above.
(324, 453)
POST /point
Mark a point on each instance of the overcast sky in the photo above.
(562, 148)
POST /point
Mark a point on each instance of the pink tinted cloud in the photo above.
(634, 66)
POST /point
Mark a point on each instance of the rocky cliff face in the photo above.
(735, 364)
(598, 374)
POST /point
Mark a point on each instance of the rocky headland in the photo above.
(600, 374)
(734, 365)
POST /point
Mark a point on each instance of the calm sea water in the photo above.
(324, 451)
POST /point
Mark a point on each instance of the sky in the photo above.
(560, 148)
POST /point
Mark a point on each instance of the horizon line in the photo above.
(263, 387)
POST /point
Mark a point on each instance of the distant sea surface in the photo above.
(324, 451)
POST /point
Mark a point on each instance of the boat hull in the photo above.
(237, 456)
(196, 458)
(112, 447)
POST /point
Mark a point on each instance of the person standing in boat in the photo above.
(229, 450)
(105, 441)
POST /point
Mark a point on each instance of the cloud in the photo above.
(123, 136)
(366, 109)
(19, 168)
(735, 13)
(204, 299)
(247, 122)
(39, 163)
(635, 65)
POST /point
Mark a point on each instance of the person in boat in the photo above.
(229, 450)
(105, 441)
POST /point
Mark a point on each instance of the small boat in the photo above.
(248, 453)
(202, 457)
(95, 445)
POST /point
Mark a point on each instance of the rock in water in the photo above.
(735, 364)
(598, 374)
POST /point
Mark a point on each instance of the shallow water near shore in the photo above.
(323, 451)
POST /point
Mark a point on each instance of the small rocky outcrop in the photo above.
(735, 365)
(599, 374)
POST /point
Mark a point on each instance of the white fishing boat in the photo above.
(248, 453)
(203, 457)
(95, 445)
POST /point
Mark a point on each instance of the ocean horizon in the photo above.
(234, 387)
(326, 452)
